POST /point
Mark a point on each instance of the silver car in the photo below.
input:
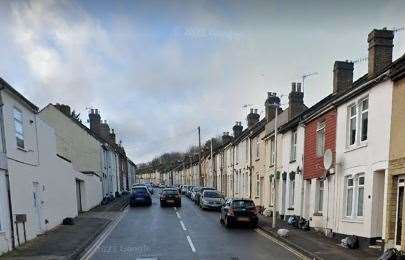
(211, 199)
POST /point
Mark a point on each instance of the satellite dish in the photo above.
(327, 159)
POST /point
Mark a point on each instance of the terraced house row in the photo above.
(53, 167)
(358, 129)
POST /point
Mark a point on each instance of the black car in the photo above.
(170, 196)
(239, 211)
(197, 197)
(140, 195)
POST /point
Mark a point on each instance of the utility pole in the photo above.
(199, 157)
(275, 168)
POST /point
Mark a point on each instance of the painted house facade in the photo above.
(394, 227)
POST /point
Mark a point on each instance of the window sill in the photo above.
(355, 147)
(258, 159)
(257, 197)
(317, 214)
(293, 161)
(290, 209)
(353, 220)
(22, 149)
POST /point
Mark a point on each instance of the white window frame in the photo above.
(257, 185)
(320, 144)
(350, 117)
(19, 135)
(363, 111)
(356, 186)
(272, 152)
(291, 194)
(293, 146)
(320, 196)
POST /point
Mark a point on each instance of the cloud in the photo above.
(157, 75)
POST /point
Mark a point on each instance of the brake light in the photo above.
(254, 210)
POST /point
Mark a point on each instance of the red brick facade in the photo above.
(313, 164)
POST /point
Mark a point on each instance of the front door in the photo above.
(79, 196)
(400, 202)
(37, 204)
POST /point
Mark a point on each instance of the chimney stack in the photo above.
(237, 129)
(226, 138)
(252, 118)
(380, 45)
(95, 121)
(295, 100)
(342, 76)
(105, 130)
(112, 136)
(271, 103)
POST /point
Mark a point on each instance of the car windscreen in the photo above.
(243, 204)
(139, 190)
(212, 194)
(169, 192)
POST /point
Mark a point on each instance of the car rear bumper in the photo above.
(238, 220)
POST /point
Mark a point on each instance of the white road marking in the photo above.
(191, 244)
(282, 244)
(178, 215)
(93, 249)
(175, 208)
(183, 226)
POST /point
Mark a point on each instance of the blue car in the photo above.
(140, 195)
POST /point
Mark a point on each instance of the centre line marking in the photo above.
(191, 244)
(182, 225)
(178, 215)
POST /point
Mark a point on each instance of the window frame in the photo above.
(20, 121)
(291, 194)
(320, 196)
(257, 185)
(293, 145)
(272, 152)
(355, 187)
(257, 148)
(361, 112)
(320, 128)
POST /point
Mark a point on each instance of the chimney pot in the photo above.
(293, 87)
(298, 86)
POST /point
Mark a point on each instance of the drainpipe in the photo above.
(4, 150)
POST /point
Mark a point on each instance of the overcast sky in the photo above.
(158, 69)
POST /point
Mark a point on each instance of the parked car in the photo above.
(140, 195)
(194, 192)
(239, 211)
(150, 187)
(211, 199)
(184, 189)
(197, 197)
(188, 192)
(170, 196)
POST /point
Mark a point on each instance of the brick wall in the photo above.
(313, 165)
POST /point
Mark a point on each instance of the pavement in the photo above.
(314, 244)
(68, 242)
(184, 233)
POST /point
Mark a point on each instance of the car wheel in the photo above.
(179, 205)
(162, 204)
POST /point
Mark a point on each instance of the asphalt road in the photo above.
(183, 233)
